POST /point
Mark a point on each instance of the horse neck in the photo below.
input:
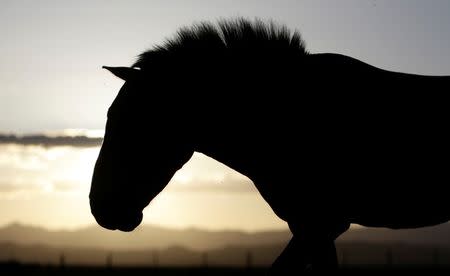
(229, 138)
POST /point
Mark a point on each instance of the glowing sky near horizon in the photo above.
(50, 186)
(51, 53)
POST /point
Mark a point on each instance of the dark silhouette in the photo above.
(327, 139)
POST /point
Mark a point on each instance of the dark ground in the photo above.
(14, 268)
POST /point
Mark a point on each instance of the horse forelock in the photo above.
(237, 36)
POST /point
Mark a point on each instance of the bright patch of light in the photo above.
(50, 186)
(73, 132)
(26, 171)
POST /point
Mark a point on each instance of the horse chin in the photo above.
(131, 223)
(123, 223)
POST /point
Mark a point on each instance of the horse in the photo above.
(327, 139)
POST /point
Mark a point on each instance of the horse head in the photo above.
(132, 169)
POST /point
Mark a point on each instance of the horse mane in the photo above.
(238, 36)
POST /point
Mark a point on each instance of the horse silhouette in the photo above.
(328, 140)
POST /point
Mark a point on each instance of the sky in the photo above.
(49, 187)
(51, 53)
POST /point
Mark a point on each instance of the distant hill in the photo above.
(172, 256)
(150, 245)
(433, 236)
(144, 237)
(149, 236)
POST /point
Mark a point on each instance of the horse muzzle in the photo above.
(116, 218)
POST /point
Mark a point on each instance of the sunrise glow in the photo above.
(204, 193)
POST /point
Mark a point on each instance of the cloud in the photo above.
(31, 170)
(33, 165)
(51, 141)
(6, 188)
(230, 182)
(65, 185)
(15, 189)
(205, 174)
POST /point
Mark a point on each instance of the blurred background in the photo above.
(53, 102)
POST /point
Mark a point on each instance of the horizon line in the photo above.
(165, 227)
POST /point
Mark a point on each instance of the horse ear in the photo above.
(125, 73)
